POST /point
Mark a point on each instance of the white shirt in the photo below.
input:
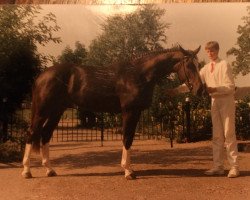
(221, 78)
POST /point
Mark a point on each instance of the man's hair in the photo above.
(212, 45)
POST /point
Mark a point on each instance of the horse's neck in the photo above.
(158, 66)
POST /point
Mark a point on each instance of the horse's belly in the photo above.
(101, 104)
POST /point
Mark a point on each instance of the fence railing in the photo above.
(71, 128)
(181, 124)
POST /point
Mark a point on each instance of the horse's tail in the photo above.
(34, 140)
(36, 143)
(34, 133)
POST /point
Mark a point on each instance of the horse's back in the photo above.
(89, 87)
(96, 89)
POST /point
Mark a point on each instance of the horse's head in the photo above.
(187, 69)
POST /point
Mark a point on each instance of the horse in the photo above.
(125, 87)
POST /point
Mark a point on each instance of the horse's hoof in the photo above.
(51, 173)
(131, 176)
(26, 175)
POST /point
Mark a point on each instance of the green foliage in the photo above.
(162, 104)
(21, 30)
(127, 35)
(242, 53)
(77, 56)
(243, 119)
(201, 121)
(13, 149)
(10, 151)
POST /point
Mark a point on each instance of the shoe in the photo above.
(233, 173)
(214, 171)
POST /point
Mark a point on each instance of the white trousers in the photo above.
(223, 119)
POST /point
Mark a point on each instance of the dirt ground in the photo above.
(88, 171)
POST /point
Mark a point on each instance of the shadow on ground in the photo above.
(150, 173)
(162, 158)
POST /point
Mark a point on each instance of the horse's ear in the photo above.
(185, 52)
(197, 50)
(188, 53)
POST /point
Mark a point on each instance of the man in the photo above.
(218, 77)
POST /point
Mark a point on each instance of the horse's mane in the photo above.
(153, 53)
(129, 63)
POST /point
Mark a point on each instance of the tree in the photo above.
(242, 53)
(77, 56)
(131, 35)
(127, 35)
(21, 30)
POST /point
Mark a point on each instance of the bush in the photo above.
(11, 151)
(243, 120)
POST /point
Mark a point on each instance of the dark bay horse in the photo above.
(125, 88)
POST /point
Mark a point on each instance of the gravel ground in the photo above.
(88, 171)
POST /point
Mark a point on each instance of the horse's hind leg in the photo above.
(26, 173)
(46, 162)
(49, 127)
(44, 127)
(36, 126)
(130, 119)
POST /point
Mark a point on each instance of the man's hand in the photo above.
(211, 90)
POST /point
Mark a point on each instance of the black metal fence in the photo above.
(182, 123)
(71, 128)
(105, 127)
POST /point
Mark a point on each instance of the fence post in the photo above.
(102, 128)
(171, 120)
(188, 120)
(161, 123)
(4, 136)
(171, 135)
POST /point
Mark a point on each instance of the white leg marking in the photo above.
(125, 162)
(46, 161)
(26, 161)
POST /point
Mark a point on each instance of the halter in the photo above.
(190, 86)
(187, 81)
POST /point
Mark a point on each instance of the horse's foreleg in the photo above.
(130, 120)
(45, 160)
(26, 161)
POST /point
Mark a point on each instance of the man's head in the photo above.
(212, 49)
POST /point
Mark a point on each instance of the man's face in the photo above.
(212, 54)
